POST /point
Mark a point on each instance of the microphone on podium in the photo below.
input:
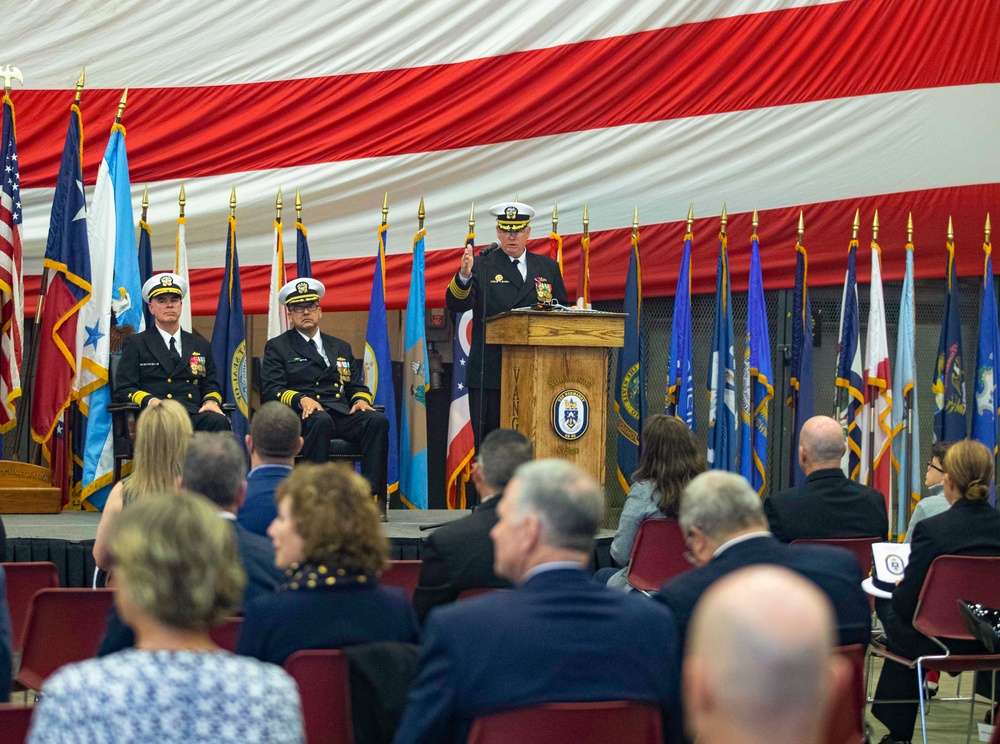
(487, 250)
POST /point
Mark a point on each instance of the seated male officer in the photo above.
(167, 362)
(317, 375)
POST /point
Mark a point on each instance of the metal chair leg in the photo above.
(923, 709)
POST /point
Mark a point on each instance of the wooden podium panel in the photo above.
(27, 489)
(555, 380)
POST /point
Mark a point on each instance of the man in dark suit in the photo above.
(827, 504)
(559, 637)
(493, 282)
(167, 362)
(459, 555)
(316, 374)
(274, 440)
(725, 529)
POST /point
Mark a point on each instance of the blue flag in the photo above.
(722, 432)
(145, 265)
(630, 387)
(949, 377)
(680, 381)
(303, 263)
(801, 395)
(229, 345)
(906, 445)
(984, 421)
(413, 437)
(378, 360)
(758, 389)
(849, 367)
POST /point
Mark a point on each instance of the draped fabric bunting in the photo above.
(949, 374)
(680, 369)
(905, 412)
(181, 269)
(758, 388)
(801, 392)
(987, 413)
(67, 257)
(849, 397)
(722, 429)
(229, 346)
(277, 319)
(11, 276)
(630, 386)
(453, 132)
(416, 383)
(461, 442)
(876, 427)
(378, 361)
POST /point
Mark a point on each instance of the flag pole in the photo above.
(840, 399)
(755, 220)
(871, 394)
(793, 396)
(908, 402)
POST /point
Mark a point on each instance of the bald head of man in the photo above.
(759, 664)
(821, 444)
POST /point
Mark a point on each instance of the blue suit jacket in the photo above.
(6, 642)
(834, 570)
(560, 637)
(259, 510)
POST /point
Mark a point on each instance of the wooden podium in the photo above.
(554, 387)
(27, 489)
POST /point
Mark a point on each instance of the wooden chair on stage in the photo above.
(623, 722)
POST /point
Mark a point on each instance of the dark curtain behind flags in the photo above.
(229, 347)
(985, 419)
(67, 257)
(758, 390)
(630, 389)
(849, 366)
(722, 431)
(146, 266)
(949, 377)
(801, 396)
(680, 382)
(303, 263)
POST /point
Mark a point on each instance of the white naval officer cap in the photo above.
(512, 216)
(165, 283)
(297, 291)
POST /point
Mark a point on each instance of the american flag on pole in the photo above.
(277, 319)
(461, 443)
(11, 279)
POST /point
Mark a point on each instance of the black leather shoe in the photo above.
(983, 623)
(889, 740)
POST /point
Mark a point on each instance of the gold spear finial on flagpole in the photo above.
(951, 231)
(421, 213)
(586, 219)
(9, 75)
(909, 228)
(79, 86)
(555, 217)
(472, 217)
(182, 200)
(690, 216)
(802, 226)
(145, 201)
(385, 208)
(755, 221)
(724, 220)
(987, 238)
(277, 206)
(121, 106)
(232, 202)
(857, 224)
(875, 228)
(298, 206)
(635, 222)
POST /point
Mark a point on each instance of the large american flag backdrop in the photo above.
(779, 104)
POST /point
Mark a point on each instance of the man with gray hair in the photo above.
(827, 504)
(759, 664)
(274, 440)
(558, 637)
(726, 530)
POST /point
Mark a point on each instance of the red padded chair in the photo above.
(845, 719)
(324, 688)
(622, 722)
(226, 634)
(949, 579)
(63, 626)
(15, 720)
(860, 546)
(404, 574)
(657, 554)
(23, 580)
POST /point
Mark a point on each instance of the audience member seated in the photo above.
(827, 504)
(162, 437)
(328, 537)
(760, 663)
(934, 502)
(559, 637)
(178, 573)
(6, 641)
(671, 456)
(970, 526)
(726, 530)
(459, 555)
(275, 438)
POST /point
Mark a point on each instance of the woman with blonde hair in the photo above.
(178, 573)
(162, 437)
(970, 526)
(327, 537)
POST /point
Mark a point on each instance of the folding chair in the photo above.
(23, 580)
(949, 579)
(324, 688)
(845, 719)
(657, 554)
(620, 721)
(15, 720)
(861, 547)
(63, 626)
(476, 591)
(226, 634)
(404, 574)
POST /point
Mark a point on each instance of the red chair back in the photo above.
(657, 554)
(15, 720)
(23, 580)
(475, 592)
(404, 574)
(226, 634)
(949, 579)
(325, 691)
(844, 724)
(860, 546)
(619, 721)
(63, 626)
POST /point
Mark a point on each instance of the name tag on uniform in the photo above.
(499, 279)
(149, 364)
